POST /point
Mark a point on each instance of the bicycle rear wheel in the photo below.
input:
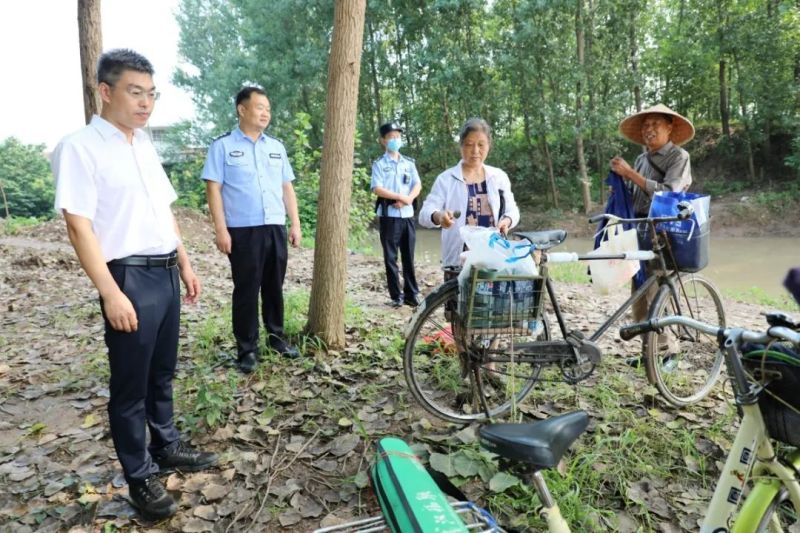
(447, 368)
(684, 364)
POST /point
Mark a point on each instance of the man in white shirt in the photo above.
(116, 199)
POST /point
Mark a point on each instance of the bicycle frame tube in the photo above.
(750, 440)
(551, 293)
(550, 510)
(624, 307)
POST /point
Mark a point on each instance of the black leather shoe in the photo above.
(290, 352)
(634, 362)
(414, 301)
(669, 361)
(151, 499)
(247, 362)
(185, 458)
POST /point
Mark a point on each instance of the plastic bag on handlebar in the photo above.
(611, 274)
(488, 250)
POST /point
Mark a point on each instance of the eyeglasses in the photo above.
(140, 94)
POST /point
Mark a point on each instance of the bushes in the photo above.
(306, 164)
(26, 180)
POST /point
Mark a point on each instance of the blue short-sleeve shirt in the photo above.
(252, 174)
(397, 176)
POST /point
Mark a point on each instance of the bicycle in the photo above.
(774, 481)
(465, 362)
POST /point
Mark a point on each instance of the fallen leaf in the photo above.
(89, 421)
(206, 512)
(289, 518)
(502, 481)
(442, 463)
(197, 525)
(344, 444)
(214, 492)
(306, 506)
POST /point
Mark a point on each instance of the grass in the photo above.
(12, 225)
(569, 273)
(758, 296)
(631, 442)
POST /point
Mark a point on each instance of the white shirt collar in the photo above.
(107, 130)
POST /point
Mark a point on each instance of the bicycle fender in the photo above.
(759, 500)
(755, 505)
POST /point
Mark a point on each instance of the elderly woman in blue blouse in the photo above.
(481, 193)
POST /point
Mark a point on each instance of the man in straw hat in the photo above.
(662, 166)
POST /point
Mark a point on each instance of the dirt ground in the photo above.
(57, 466)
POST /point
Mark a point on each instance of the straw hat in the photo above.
(682, 129)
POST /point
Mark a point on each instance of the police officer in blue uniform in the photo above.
(249, 189)
(396, 183)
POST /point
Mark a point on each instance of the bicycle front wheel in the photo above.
(447, 367)
(684, 364)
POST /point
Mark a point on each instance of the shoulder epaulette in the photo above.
(273, 138)
(223, 135)
(409, 158)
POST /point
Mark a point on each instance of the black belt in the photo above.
(149, 261)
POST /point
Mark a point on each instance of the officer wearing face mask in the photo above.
(396, 183)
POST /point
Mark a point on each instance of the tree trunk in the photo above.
(797, 67)
(634, 52)
(549, 163)
(90, 37)
(326, 307)
(748, 143)
(582, 174)
(376, 91)
(5, 201)
(724, 112)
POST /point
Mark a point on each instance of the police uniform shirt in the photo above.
(120, 186)
(397, 176)
(252, 174)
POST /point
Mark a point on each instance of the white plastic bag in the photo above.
(611, 274)
(487, 249)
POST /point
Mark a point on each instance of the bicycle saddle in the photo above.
(544, 239)
(540, 444)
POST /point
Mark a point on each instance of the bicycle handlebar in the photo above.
(657, 324)
(685, 211)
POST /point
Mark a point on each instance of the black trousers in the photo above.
(142, 367)
(399, 233)
(258, 265)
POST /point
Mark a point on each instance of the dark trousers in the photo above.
(258, 264)
(142, 367)
(399, 233)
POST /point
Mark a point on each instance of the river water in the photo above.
(735, 263)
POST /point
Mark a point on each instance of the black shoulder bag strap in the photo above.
(653, 164)
(502, 211)
(446, 486)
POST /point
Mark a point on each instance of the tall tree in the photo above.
(90, 37)
(326, 308)
(580, 43)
